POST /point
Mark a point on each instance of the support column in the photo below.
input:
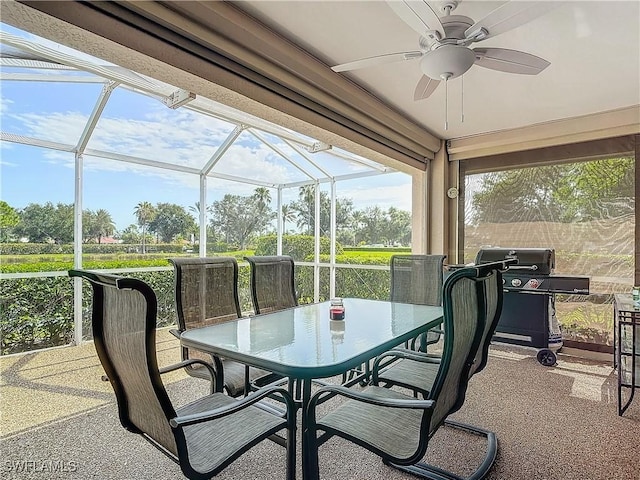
(202, 218)
(316, 256)
(442, 206)
(280, 230)
(77, 251)
(637, 212)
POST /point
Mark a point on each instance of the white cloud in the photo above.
(257, 162)
(374, 191)
(60, 127)
(5, 105)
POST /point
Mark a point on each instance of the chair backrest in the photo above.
(464, 317)
(417, 279)
(206, 290)
(493, 290)
(124, 325)
(272, 283)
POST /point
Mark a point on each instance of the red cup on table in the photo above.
(336, 310)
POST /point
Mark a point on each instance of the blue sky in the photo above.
(133, 124)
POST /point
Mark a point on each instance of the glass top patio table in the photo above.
(303, 343)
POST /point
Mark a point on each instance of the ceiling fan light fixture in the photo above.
(449, 60)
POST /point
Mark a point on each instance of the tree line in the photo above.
(576, 192)
(234, 220)
(564, 193)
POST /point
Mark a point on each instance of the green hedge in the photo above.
(44, 248)
(38, 312)
(389, 250)
(89, 264)
(297, 246)
(350, 282)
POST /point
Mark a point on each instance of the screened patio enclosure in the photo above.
(174, 139)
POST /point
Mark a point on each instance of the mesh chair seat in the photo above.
(408, 373)
(223, 436)
(366, 422)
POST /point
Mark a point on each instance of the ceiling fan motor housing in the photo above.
(447, 58)
(447, 61)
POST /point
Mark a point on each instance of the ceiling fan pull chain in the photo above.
(446, 103)
(462, 98)
(446, 76)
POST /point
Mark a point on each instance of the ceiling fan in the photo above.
(444, 42)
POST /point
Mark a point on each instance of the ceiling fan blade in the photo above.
(377, 60)
(425, 87)
(511, 61)
(419, 16)
(509, 15)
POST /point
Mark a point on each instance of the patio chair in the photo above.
(396, 426)
(418, 279)
(417, 370)
(204, 436)
(272, 283)
(206, 293)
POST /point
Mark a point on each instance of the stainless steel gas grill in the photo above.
(528, 310)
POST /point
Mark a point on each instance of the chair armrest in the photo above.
(215, 384)
(411, 403)
(185, 363)
(413, 355)
(400, 354)
(186, 420)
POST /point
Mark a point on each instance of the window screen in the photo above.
(583, 210)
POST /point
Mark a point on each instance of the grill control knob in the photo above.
(516, 282)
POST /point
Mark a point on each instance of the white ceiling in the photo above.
(593, 47)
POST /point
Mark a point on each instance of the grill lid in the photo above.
(540, 261)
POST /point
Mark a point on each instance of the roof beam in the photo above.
(92, 121)
(279, 152)
(222, 149)
(36, 77)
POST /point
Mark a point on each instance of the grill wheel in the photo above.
(547, 358)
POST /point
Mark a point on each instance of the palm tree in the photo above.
(103, 224)
(195, 208)
(144, 212)
(305, 207)
(288, 215)
(262, 196)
